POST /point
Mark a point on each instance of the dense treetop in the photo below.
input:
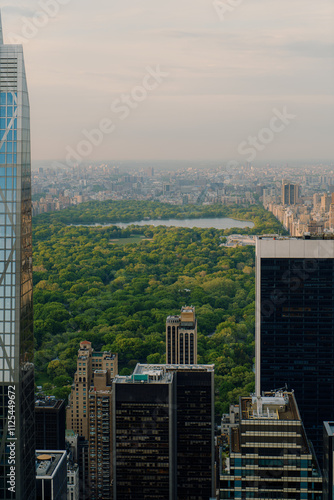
(116, 287)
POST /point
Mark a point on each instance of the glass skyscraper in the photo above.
(295, 325)
(17, 443)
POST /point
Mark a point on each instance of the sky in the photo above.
(241, 80)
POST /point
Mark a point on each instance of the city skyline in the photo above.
(227, 72)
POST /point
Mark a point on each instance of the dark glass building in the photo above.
(290, 193)
(163, 433)
(17, 429)
(295, 325)
(50, 415)
(328, 468)
(51, 475)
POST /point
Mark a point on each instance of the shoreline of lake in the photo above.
(201, 223)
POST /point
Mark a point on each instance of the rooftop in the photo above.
(49, 402)
(271, 406)
(47, 463)
(159, 373)
(329, 426)
(306, 236)
(143, 368)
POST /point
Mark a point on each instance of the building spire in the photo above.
(1, 37)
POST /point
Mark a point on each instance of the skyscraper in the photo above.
(163, 433)
(89, 415)
(290, 193)
(295, 325)
(100, 436)
(181, 338)
(269, 455)
(50, 416)
(17, 456)
(328, 466)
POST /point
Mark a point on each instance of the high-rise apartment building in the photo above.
(100, 436)
(181, 338)
(17, 433)
(295, 325)
(89, 415)
(78, 407)
(325, 202)
(50, 423)
(328, 461)
(163, 433)
(269, 455)
(290, 193)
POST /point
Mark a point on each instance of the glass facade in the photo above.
(269, 455)
(297, 324)
(17, 443)
(142, 441)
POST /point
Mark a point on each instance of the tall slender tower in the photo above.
(17, 434)
(181, 338)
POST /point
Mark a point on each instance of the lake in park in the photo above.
(217, 223)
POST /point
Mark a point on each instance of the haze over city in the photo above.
(228, 69)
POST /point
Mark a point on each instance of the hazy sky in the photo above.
(228, 67)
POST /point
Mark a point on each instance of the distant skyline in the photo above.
(231, 70)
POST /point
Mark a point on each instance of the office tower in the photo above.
(51, 475)
(16, 315)
(181, 338)
(88, 361)
(328, 467)
(290, 193)
(100, 436)
(195, 431)
(79, 414)
(83, 462)
(295, 324)
(50, 423)
(269, 455)
(163, 441)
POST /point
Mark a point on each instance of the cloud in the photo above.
(225, 77)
